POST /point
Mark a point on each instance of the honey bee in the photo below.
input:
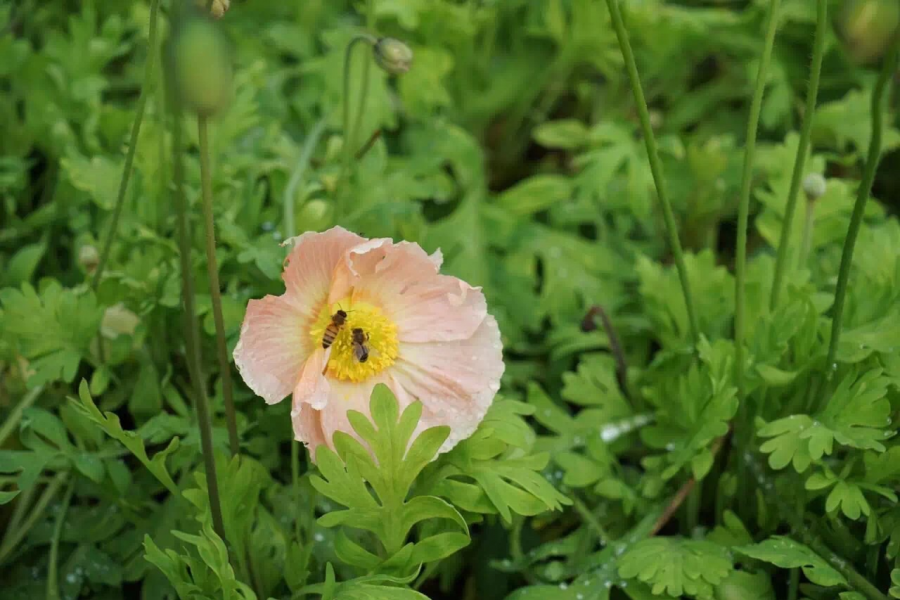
(360, 349)
(334, 328)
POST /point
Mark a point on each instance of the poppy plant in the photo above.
(427, 336)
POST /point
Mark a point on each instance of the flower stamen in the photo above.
(382, 340)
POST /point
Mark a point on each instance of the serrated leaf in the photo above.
(677, 566)
(856, 415)
(110, 424)
(389, 464)
(786, 553)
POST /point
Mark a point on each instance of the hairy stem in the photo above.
(212, 270)
(53, 567)
(12, 420)
(865, 187)
(802, 149)
(132, 145)
(744, 202)
(655, 164)
(808, 227)
(16, 536)
(191, 327)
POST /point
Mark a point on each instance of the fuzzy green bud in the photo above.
(201, 63)
(88, 258)
(216, 9)
(867, 27)
(814, 186)
(393, 56)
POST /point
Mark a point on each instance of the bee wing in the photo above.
(325, 358)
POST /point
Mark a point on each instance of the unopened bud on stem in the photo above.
(88, 258)
(814, 186)
(393, 56)
(201, 63)
(217, 8)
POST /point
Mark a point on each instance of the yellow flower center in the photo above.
(345, 362)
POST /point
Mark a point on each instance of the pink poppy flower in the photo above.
(429, 337)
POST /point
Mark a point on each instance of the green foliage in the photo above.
(786, 553)
(677, 566)
(513, 145)
(52, 330)
(389, 465)
(855, 415)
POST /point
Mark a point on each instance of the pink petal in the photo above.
(310, 266)
(404, 281)
(313, 387)
(455, 381)
(270, 354)
(275, 340)
(316, 427)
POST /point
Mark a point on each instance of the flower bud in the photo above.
(201, 64)
(393, 56)
(867, 27)
(814, 186)
(118, 320)
(216, 9)
(88, 258)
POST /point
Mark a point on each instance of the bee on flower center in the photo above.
(338, 320)
(360, 349)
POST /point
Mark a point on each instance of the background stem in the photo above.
(16, 536)
(132, 145)
(655, 164)
(744, 202)
(12, 420)
(191, 327)
(862, 195)
(812, 92)
(212, 270)
(297, 173)
(52, 566)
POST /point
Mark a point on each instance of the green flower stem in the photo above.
(865, 187)
(808, 227)
(312, 140)
(212, 270)
(350, 135)
(812, 92)
(12, 421)
(132, 145)
(744, 202)
(16, 535)
(53, 567)
(191, 327)
(592, 521)
(655, 164)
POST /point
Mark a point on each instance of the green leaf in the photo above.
(741, 585)
(52, 330)
(110, 424)
(22, 265)
(567, 134)
(389, 465)
(535, 194)
(856, 415)
(488, 474)
(786, 553)
(677, 566)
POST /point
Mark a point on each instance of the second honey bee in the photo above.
(360, 349)
(338, 320)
